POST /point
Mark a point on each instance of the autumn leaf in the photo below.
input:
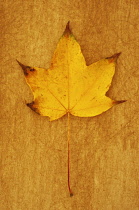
(69, 85)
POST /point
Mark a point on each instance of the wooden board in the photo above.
(104, 149)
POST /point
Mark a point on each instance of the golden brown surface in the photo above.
(104, 149)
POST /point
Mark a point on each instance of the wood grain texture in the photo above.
(104, 149)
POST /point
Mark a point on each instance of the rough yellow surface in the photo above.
(105, 148)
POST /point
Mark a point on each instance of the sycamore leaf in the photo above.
(69, 85)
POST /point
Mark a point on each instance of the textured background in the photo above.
(105, 149)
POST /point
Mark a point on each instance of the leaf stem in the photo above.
(68, 137)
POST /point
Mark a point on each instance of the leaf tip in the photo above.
(67, 31)
(23, 67)
(114, 57)
(31, 106)
(119, 102)
(20, 64)
(26, 69)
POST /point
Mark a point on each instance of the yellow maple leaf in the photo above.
(69, 85)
